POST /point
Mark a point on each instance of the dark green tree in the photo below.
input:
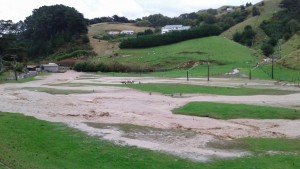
(267, 49)
(49, 27)
(292, 6)
(255, 11)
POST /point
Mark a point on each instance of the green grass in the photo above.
(34, 143)
(194, 89)
(222, 51)
(38, 144)
(58, 91)
(5, 75)
(236, 111)
(188, 89)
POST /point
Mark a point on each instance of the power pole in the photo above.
(208, 68)
(250, 73)
(187, 75)
(15, 66)
(272, 73)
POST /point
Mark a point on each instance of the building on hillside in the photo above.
(229, 9)
(113, 33)
(127, 32)
(170, 28)
(51, 67)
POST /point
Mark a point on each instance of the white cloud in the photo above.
(19, 9)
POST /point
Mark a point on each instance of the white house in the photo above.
(127, 32)
(51, 67)
(170, 28)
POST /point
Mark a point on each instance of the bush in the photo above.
(109, 67)
(246, 37)
(70, 54)
(85, 39)
(267, 49)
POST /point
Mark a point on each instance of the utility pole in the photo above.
(250, 73)
(187, 75)
(272, 73)
(15, 66)
(208, 68)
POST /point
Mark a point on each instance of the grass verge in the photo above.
(236, 111)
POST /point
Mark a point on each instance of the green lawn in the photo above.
(236, 111)
(27, 143)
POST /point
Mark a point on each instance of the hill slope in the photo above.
(106, 47)
(223, 52)
(291, 52)
(267, 11)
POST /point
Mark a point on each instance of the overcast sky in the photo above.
(19, 9)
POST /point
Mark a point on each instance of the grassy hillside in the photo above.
(105, 47)
(267, 11)
(291, 52)
(224, 55)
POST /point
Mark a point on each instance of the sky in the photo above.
(17, 10)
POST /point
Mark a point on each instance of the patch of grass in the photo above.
(39, 144)
(4, 76)
(236, 111)
(188, 89)
(268, 153)
(194, 89)
(58, 91)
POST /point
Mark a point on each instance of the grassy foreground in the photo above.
(236, 111)
(29, 143)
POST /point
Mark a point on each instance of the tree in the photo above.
(267, 49)
(246, 37)
(158, 20)
(11, 50)
(293, 6)
(255, 11)
(53, 26)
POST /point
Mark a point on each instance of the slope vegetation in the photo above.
(291, 52)
(267, 10)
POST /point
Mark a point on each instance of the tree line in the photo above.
(171, 37)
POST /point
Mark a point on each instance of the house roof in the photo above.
(50, 64)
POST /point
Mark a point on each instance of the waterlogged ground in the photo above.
(142, 119)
